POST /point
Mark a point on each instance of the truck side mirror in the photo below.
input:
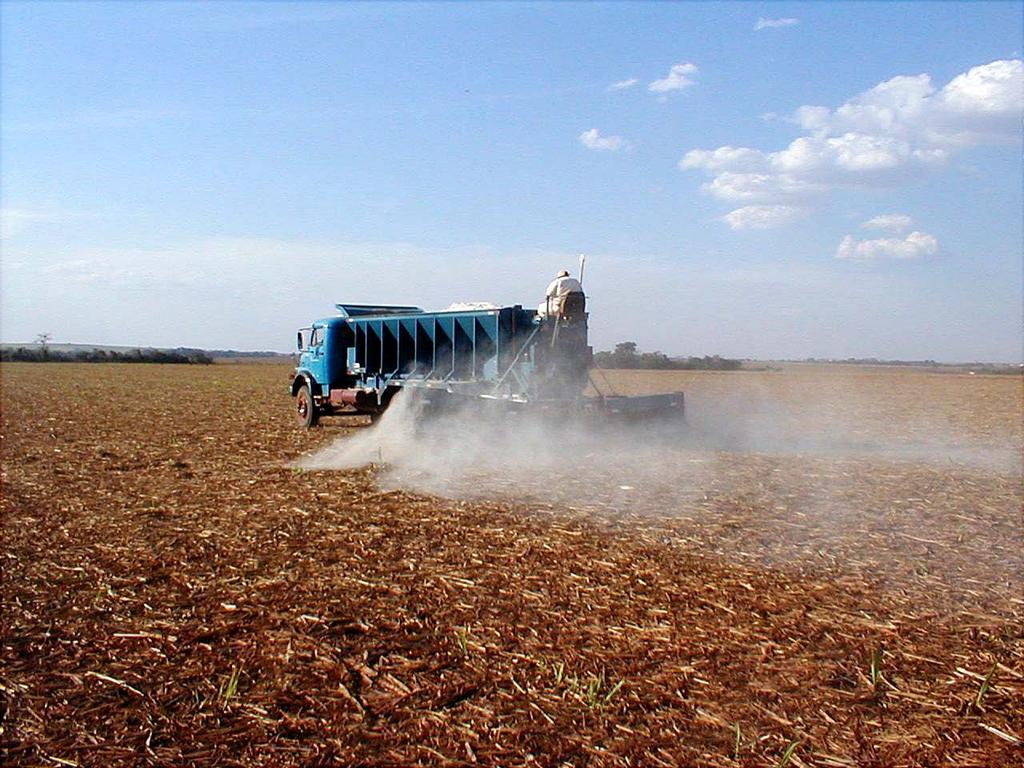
(298, 339)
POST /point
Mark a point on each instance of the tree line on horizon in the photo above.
(43, 354)
(627, 355)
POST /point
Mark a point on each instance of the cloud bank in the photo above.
(14, 221)
(252, 293)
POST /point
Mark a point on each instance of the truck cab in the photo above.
(323, 356)
(328, 377)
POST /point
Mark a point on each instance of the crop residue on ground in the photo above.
(175, 592)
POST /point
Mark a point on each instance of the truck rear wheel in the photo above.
(306, 413)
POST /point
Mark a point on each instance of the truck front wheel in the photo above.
(306, 413)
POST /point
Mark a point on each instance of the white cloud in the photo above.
(813, 164)
(764, 23)
(916, 245)
(854, 159)
(677, 79)
(763, 216)
(816, 163)
(899, 131)
(592, 139)
(761, 187)
(622, 85)
(742, 159)
(892, 222)
(989, 88)
(982, 104)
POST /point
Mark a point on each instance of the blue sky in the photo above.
(762, 180)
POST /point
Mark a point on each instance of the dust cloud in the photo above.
(471, 452)
(769, 476)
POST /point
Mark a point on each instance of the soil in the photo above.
(173, 592)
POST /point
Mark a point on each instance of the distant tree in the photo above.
(43, 340)
(624, 356)
(627, 355)
(37, 355)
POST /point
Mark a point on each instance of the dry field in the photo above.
(826, 571)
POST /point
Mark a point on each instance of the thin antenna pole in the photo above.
(583, 263)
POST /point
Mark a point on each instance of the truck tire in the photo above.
(306, 414)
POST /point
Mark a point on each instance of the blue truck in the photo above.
(356, 361)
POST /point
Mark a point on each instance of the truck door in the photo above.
(315, 357)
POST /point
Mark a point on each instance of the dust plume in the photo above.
(815, 476)
(472, 452)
